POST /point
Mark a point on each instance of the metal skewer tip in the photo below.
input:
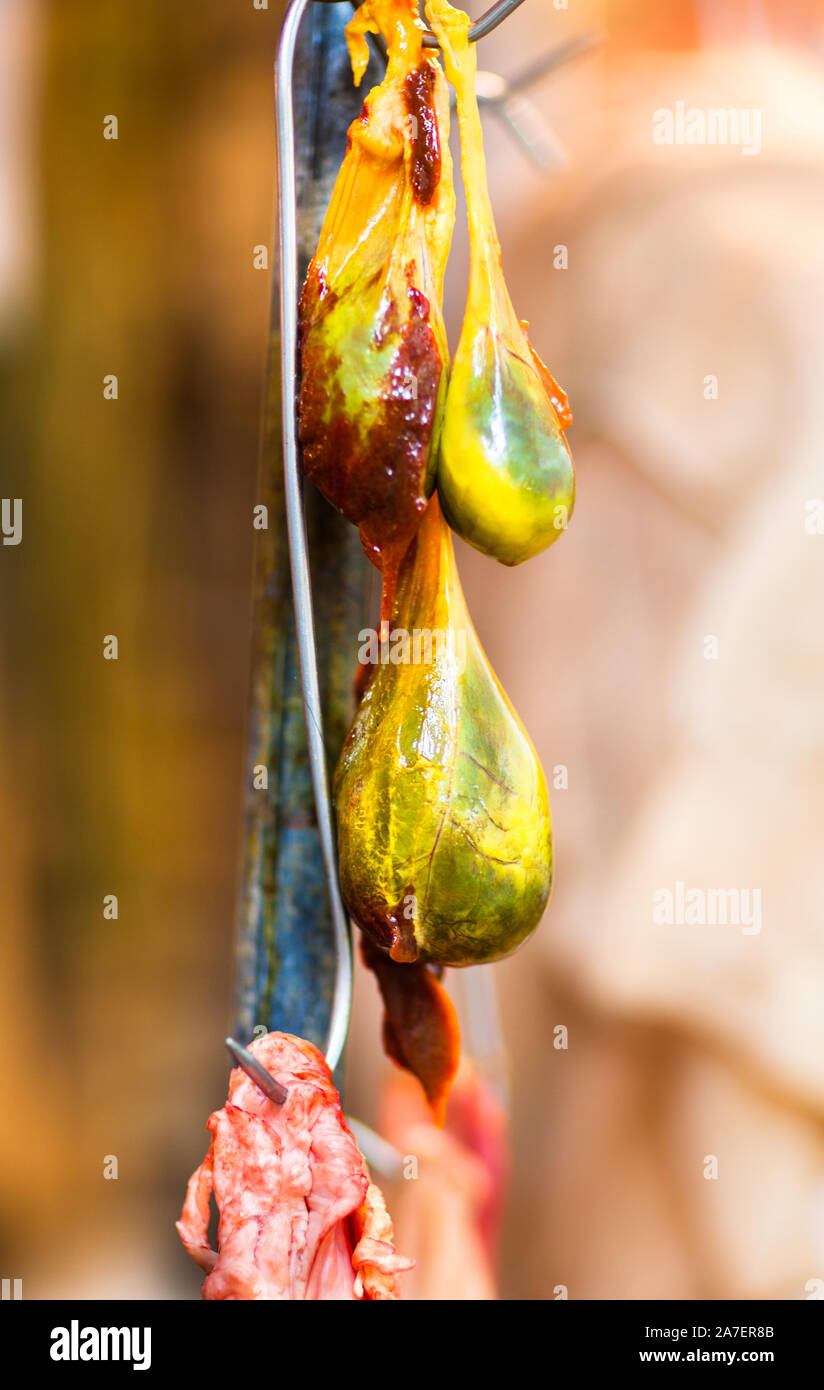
(265, 1082)
(485, 25)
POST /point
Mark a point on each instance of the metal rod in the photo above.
(483, 1029)
(381, 1156)
(564, 53)
(257, 1073)
(296, 522)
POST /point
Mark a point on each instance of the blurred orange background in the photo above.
(685, 761)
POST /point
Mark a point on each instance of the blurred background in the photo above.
(686, 321)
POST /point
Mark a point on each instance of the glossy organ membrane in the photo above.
(374, 358)
(505, 475)
(299, 1217)
(442, 807)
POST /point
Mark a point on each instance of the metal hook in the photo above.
(296, 523)
(263, 1079)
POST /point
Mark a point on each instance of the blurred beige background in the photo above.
(693, 521)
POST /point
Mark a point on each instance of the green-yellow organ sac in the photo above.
(505, 474)
(442, 808)
(374, 356)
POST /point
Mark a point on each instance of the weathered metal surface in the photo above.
(285, 949)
